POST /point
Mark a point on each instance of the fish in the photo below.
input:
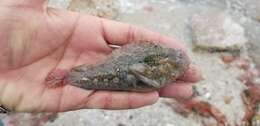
(137, 66)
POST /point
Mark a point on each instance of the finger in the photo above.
(118, 33)
(193, 74)
(73, 98)
(120, 100)
(178, 90)
(25, 3)
(99, 31)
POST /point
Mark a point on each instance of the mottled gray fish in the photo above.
(142, 66)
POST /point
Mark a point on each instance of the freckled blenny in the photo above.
(138, 66)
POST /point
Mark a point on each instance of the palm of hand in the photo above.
(54, 40)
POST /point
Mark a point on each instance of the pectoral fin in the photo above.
(139, 71)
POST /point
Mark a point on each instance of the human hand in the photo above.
(36, 41)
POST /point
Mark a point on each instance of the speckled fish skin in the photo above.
(142, 66)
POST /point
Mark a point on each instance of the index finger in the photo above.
(117, 33)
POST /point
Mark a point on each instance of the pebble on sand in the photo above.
(253, 9)
(215, 30)
(101, 8)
